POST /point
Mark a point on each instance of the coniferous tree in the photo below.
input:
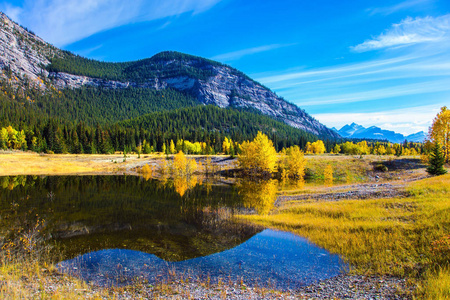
(436, 161)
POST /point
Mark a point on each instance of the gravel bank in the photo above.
(340, 287)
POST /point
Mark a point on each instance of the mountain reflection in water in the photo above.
(114, 228)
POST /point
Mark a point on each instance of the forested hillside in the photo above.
(87, 121)
(96, 105)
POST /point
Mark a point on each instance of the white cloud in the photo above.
(62, 22)
(405, 121)
(387, 10)
(409, 32)
(240, 53)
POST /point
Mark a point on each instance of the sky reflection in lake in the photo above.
(279, 259)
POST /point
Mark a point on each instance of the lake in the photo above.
(113, 230)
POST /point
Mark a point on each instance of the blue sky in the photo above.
(383, 63)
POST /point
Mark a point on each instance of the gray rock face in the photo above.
(26, 56)
(23, 54)
(224, 89)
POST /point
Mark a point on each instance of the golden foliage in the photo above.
(147, 172)
(318, 147)
(440, 131)
(180, 163)
(226, 145)
(292, 163)
(259, 155)
(182, 166)
(172, 147)
(296, 162)
(328, 175)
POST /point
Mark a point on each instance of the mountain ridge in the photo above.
(356, 131)
(28, 60)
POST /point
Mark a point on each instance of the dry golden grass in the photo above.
(29, 163)
(436, 285)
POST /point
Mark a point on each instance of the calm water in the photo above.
(114, 229)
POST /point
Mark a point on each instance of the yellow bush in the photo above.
(259, 155)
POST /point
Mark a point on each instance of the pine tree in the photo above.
(436, 161)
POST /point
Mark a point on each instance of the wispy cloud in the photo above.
(62, 22)
(333, 71)
(382, 93)
(387, 10)
(372, 92)
(409, 32)
(405, 121)
(240, 53)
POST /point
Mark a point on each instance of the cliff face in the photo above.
(24, 57)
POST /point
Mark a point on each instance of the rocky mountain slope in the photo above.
(26, 59)
(359, 132)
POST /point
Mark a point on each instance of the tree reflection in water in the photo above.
(259, 194)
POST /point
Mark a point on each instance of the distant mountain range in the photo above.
(356, 131)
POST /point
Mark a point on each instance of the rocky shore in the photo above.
(341, 287)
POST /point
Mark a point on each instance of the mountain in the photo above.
(418, 137)
(28, 61)
(349, 130)
(356, 131)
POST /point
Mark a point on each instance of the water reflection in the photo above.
(87, 213)
(115, 228)
(184, 183)
(259, 194)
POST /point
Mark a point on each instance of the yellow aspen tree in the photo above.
(318, 147)
(180, 163)
(171, 147)
(226, 145)
(182, 166)
(362, 148)
(309, 149)
(439, 131)
(337, 149)
(328, 175)
(259, 155)
(296, 162)
(147, 171)
(4, 138)
(12, 135)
